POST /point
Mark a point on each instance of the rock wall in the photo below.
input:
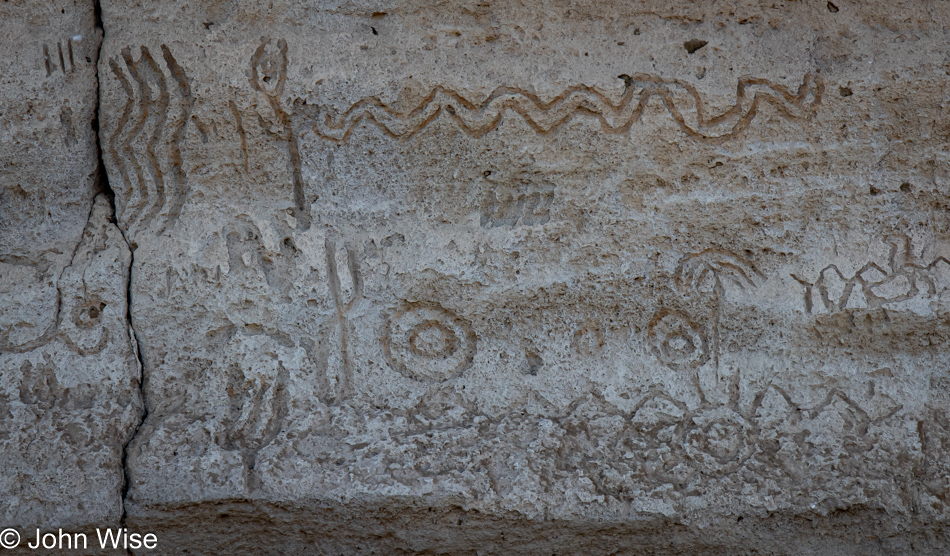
(69, 374)
(477, 278)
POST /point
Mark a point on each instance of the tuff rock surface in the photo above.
(69, 375)
(481, 278)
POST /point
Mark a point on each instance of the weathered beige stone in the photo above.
(525, 278)
(69, 393)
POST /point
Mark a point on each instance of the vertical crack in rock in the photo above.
(103, 186)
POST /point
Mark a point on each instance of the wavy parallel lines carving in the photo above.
(681, 100)
(151, 81)
(151, 124)
(178, 136)
(120, 145)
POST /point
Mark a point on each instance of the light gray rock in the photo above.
(69, 376)
(533, 278)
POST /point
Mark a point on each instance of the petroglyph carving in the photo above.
(259, 406)
(677, 341)
(39, 386)
(588, 339)
(873, 286)
(934, 435)
(238, 122)
(720, 440)
(429, 343)
(69, 131)
(59, 58)
(478, 118)
(83, 332)
(654, 426)
(661, 441)
(834, 434)
(268, 76)
(154, 118)
(80, 309)
(525, 202)
(247, 254)
(707, 272)
(346, 287)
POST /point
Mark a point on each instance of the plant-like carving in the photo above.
(259, 406)
(707, 272)
(346, 287)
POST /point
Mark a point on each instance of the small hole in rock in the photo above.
(374, 31)
(906, 187)
(693, 45)
(874, 190)
(832, 8)
(845, 91)
(93, 312)
(534, 362)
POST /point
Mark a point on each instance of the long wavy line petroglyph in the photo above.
(681, 100)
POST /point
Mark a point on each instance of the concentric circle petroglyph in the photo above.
(677, 341)
(429, 343)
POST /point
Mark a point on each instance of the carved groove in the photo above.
(54, 61)
(902, 280)
(477, 119)
(240, 129)
(150, 119)
(268, 76)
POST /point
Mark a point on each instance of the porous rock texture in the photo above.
(468, 277)
(69, 375)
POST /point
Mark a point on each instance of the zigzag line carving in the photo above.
(681, 100)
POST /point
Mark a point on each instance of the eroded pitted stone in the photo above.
(69, 377)
(667, 264)
(70, 403)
